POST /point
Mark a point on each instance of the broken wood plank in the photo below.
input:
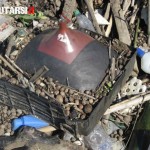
(43, 70)
(132, 20)
(106, 15)
(126, 5)
(121, 25)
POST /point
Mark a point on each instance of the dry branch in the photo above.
(128, 103)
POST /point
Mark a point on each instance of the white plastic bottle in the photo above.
(145, 60)
(83, 21)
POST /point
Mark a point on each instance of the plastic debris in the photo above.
(98, 139)
(100, 19)
(28, 120)
(145, 60)
(83, 21)
(132, 87)
(5, 28)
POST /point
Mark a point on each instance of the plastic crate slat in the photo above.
(17, 97)
(5, 88)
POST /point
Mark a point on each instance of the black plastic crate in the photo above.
(17, 97)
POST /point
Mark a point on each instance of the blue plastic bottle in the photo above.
(28, 120)
(145, 60)
(83, 21)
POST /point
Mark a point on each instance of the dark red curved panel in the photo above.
(65, 44)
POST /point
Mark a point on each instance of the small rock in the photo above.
(127, 119)
(13, 110)
(19, 111)
(88, 108)
(76, 102)
(12, 133)
(119, 138)
(19, 25)
(13, 80)
(7, 134)
(42, 94)
(71, 91)
(9, 125)
(120, 132)
(2, 126)
(91, 101)
(83, 116)
(59, 98)
(62, 89)
(62, 94)
(87, 92)
(145, 45)
(45, 25)
(38, 82)
(71, 99)
(1, 131)
(5, 111)
(80, 106)
(58, 3)
(67, 112)
(56, 92)
(84, 102)
(115, 132)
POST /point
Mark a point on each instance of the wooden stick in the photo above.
(9, 65)
(128, 103)
(10, 45)
(132, 20)
(121, 25)
(122, 119)
(132, 4)
(126, 5)
(39, 74)
(106, 15)
(108, 30)
(96, 25)
(113, 71)
(136, 33)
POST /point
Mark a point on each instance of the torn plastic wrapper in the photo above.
(5, 28)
